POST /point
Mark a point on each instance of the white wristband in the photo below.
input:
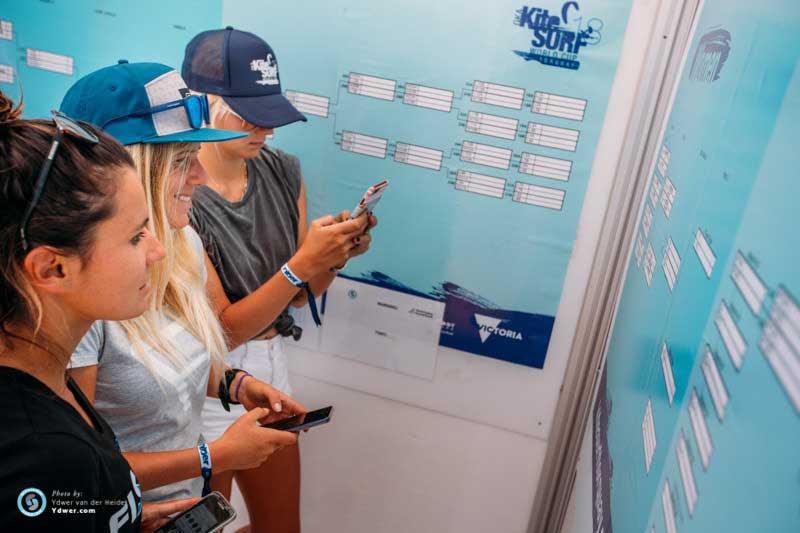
(291, 276)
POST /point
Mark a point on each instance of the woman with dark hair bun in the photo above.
(74, 248)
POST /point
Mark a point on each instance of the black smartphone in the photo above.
(208, 515)
(298, 423)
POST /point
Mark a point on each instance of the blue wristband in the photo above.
(205, 466)
(297, 282)
(291, 276)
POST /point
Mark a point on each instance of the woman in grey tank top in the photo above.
(252, 219)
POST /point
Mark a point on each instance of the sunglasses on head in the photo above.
(64, 126)
(195, 105)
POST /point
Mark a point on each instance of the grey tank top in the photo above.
(248, 241)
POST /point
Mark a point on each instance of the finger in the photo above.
(373, 221)
(354, 234)
(274, 399)
(364, 219)
(354, 226)
(326, 220)
(281, 438)
(355, 243)
(255, 414)
(344, 215)
(293, 406)
(155, 511)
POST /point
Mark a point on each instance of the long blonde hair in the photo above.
(178, 287)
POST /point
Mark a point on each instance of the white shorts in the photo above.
(266, 361)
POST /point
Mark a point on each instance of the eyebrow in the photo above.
(143, 224)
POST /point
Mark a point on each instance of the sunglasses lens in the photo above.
(72, 127)
(194, 111)
(205, 107)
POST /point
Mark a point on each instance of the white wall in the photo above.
(383, 466)
(397, 458)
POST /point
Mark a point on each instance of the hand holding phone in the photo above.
(298, 423)
(208, 515)
(370, 199)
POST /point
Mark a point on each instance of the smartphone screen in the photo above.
(206, 516)
(301, 422)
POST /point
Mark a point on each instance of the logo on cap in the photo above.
(268, 69)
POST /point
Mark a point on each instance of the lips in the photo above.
(185, 196)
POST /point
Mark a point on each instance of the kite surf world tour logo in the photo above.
(558, 38)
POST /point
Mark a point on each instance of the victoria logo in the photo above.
(268, 69)
(488, 326)
(558, 38)
(31, 502)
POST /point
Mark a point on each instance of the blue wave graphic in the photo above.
(476, 325)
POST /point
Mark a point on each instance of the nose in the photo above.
(155, 251)
(263, 131)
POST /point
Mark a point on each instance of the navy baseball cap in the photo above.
(142, 103)
(242, 69)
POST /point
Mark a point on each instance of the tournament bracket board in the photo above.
(698, 417)
(47, 45)
(484, 118)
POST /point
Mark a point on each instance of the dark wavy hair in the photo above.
(79, 194)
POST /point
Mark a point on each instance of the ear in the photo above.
(49, 270)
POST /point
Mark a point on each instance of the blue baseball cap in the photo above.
(242, 69)
(141, 103)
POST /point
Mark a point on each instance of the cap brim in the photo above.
(203, 135)
(270, 111)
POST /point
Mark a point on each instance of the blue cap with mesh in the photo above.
(242, 69)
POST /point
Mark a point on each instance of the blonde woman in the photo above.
(252, 218)
(149, 375)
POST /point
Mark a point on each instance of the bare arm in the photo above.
(324, 243)
(320, 282)
(251, 315)
(156, 469)
(243, 442)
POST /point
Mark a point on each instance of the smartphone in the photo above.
(370, 199)
(208, 515)
(298, 423)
